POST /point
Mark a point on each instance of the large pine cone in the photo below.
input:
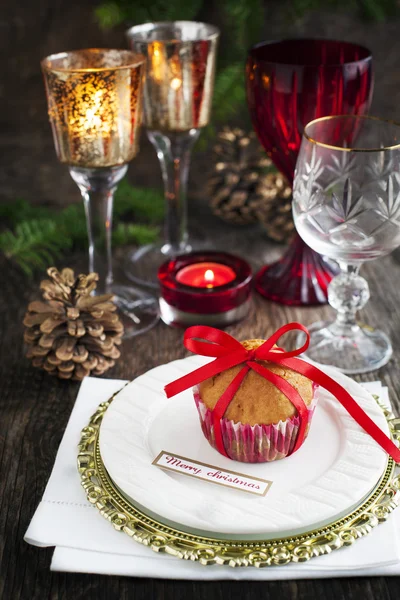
(245, 187)
(72, 334)
(274, 207)
(232, 186)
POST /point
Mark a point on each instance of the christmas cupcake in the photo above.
(260, 423)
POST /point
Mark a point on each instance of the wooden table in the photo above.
(35, 408)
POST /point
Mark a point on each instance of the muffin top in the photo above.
(257, 401)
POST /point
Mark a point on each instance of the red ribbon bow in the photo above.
(228, 353)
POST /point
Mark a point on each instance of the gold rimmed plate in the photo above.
(160, 535)
(330, 475)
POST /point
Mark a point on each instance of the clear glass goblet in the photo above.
(177, 98)
(346, 205)
(94, 102)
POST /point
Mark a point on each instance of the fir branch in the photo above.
(208, 133)
(129, 233)
(110, 14)
(378, 11)
(243, 20)
(36, 236)
(143, 204)
(16, 211)
(229, 92)
(34, 244)
(72, 223)
(369, 10)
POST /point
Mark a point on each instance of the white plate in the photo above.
(333, 471)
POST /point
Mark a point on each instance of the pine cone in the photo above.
(246, 188)
(72, 334)
(233, 184)
(274, 210)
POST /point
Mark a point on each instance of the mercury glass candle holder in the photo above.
(177, 104)
(94, 104)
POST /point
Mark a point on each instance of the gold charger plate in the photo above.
(127, 518)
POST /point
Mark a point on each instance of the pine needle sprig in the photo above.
(243, 24)
(19, 210)
(229, 84)
(142, 204)
(35, 237)
(111, 14)
(72, 223)
(130, 233)
(34, 244)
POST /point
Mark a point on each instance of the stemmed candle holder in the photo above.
(177, 103)
(94, 103)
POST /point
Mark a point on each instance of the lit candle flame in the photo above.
(176, 83)
(92, 116)
(157, 61)
(209, 277)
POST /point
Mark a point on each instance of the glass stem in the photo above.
(97, 187)
(348, 292)
(173, 151)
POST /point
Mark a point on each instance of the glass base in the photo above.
(300, 278)
(141, 266)
(178, 318)
(359, 351)
(137, 310)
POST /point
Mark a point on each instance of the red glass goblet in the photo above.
(290, 83)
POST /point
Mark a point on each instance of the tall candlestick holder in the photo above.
(94, 103)
(177, 103)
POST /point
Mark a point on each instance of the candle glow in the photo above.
(94, 97)
(157, 61)
(179, 73)
(209, 277)
(176, 83)
(206, 275)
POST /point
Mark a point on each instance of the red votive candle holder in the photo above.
(204, 288)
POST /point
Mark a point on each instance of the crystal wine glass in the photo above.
(289, 83)
(177, 103)
(94, 103)
(346, 205)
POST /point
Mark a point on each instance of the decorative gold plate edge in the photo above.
(126, 518)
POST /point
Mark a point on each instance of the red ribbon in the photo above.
(228, 353)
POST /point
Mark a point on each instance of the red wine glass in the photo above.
(290, 83)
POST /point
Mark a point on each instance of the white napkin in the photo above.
(86, 542)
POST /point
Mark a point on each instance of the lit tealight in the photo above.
(176, 83)
(209, 277)
(204, 288)
(205, 274)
